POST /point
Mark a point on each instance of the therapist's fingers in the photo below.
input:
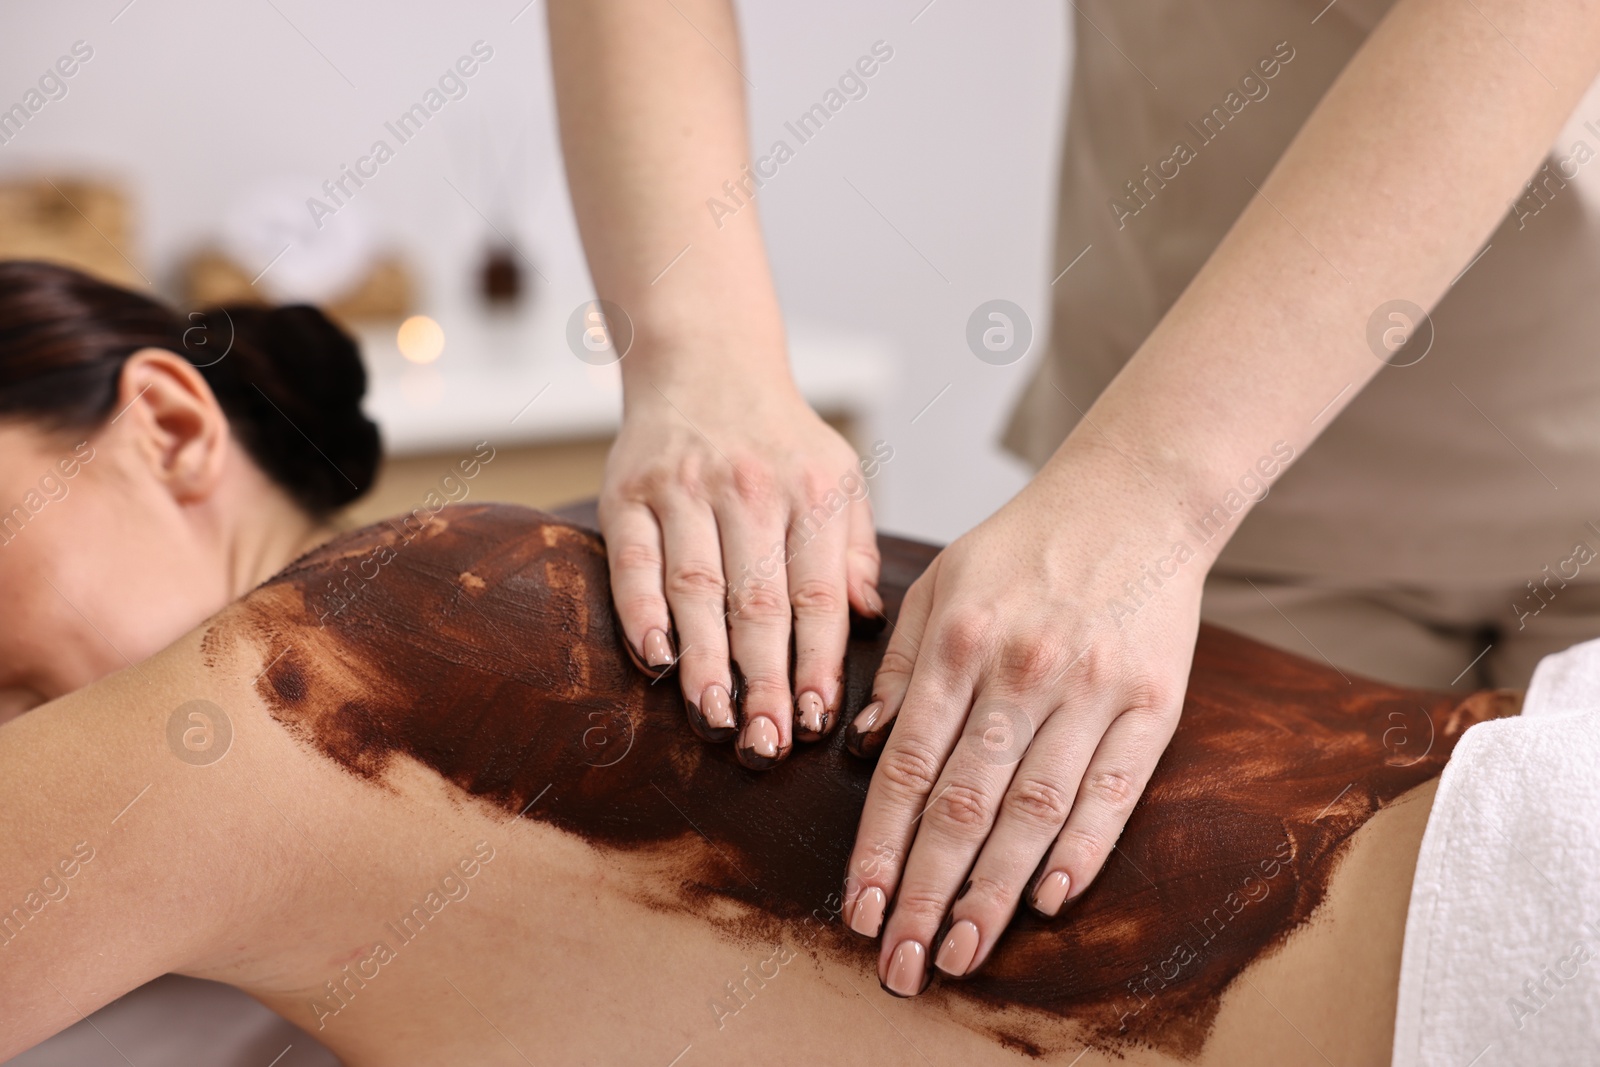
(817, 594)
(862, 560)
(753, 550)
(697, 594)
(1112, 784)
(634, 556)
(870, 728)
(949, 830)
(1029, 819)
(902, 785)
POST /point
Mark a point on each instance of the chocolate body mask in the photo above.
(484, 646)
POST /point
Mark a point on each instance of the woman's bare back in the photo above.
(462, 680)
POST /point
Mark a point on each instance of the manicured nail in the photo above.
(717, 708)
(869, 593)
(812, 714)
(960, 945)
(657, 649)
(713, 719)
(906, 969)
(1052, 892)
(759, 745)
(867, 718)
(867, 915)
(868, 730)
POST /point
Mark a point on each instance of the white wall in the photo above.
(188, 102)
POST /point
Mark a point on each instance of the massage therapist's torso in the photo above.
(1176, 112)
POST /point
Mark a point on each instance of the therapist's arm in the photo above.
(1066, 622)
(724, 490)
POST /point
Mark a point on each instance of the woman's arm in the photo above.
(121, 859)
(1073, 598)
(727, 504)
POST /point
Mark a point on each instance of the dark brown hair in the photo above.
(288, 379)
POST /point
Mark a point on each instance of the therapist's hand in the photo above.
(729, 508)
(1028, 712)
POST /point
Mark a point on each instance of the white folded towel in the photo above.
(1502, 949)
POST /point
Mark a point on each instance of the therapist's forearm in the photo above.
(1404, 168)
(652, 111)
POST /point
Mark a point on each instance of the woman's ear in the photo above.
(174, 423)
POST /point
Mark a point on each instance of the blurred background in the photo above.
(182, 151)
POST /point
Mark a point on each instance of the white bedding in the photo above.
(1502, 948)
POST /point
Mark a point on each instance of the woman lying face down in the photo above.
(154, 466)
(1277, 764)
(412, 794)
(453, 817)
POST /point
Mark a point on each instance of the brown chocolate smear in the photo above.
(484, 646)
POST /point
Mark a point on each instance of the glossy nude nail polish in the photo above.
(718, 708)
(868, 730)
(657, 649)
(758, 746)
(810, 713)
(713, 717)
(908, 969)
(1052, 892)
(958, 948)
(867, 916)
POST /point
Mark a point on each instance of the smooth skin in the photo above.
(204, 511)
(1396, 179)
(274, 870)
(720, 461)
(253, 857)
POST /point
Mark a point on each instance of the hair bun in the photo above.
(301, 378)
(289, 381)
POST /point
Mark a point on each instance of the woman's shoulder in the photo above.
(449, 527)
(476, 540)
(407, 629)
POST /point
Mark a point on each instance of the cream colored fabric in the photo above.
(1479, 465)
(1433, 638)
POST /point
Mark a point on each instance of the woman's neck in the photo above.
(270, 538)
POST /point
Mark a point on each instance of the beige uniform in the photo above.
(1442, 511)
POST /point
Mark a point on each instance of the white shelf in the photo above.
(484, 384)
